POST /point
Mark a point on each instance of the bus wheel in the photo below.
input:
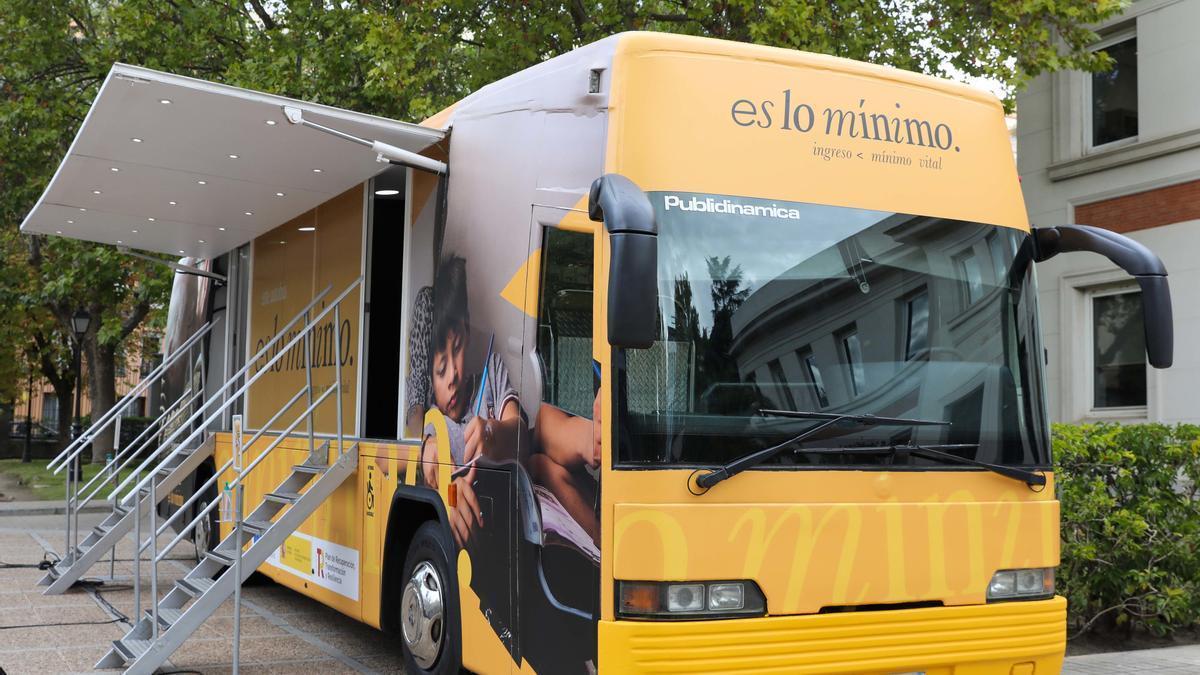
(207, 533)
(428, 612)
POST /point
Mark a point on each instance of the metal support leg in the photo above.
(154, 552)
(137, 553)
(67, 555)
(73, 507)
(237, 580)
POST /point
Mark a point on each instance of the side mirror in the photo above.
(1139, 261)
(633, 266)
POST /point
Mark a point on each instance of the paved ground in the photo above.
(1173, 660)
(282, 631)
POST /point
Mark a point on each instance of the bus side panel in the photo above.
(323, 558)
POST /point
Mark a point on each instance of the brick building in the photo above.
(44, 409)
(1119, 150)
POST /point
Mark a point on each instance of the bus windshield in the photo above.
(765, 304)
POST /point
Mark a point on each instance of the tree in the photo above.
(1009, 41)
(406, 59)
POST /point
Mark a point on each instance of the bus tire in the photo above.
(428, 612)
(207, 533)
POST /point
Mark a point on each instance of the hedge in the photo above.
(1130, 526)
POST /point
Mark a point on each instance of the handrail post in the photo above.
(67, 553)
(137, 553)
(238, 455)
(73, 507)
(308, 381)
(337, 368)
(153, 504)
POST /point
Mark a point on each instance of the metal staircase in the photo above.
(163, 628)
(176, 466)
(221, 571)
(187, 443)
(79, 556)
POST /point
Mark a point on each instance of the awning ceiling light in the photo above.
(184, 134)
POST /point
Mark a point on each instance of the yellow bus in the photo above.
(668, 354)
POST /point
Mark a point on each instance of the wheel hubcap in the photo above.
(421, 614)
(201, 537)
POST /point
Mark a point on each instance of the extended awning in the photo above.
(182, 166)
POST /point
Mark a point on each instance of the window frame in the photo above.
(1090, 355)
(1069, 362)
(959, 261)
(907, 325)
(1109, 40)
(548, 362)
(812, 370)
(855, 388)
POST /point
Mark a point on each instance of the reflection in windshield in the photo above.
(767, 304)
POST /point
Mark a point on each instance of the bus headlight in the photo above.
(691, 600)
(1021, 584)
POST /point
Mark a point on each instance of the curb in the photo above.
(11, 509)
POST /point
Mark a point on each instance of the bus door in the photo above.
(558, 491)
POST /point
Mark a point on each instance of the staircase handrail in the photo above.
(69, 453)
(231, 399)
(131, 452)
(197, 492)
(238, 479)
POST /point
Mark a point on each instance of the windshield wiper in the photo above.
(1029, 478)
(707, 480)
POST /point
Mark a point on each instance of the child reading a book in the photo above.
(482, 410)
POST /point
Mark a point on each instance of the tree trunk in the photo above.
(7, 415)
(102, 382)
(65, 394)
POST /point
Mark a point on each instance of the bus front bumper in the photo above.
(1017, 638)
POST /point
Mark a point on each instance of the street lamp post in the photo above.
(80, 322)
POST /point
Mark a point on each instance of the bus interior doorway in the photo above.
(385, 256)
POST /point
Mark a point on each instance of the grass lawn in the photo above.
(42, 482)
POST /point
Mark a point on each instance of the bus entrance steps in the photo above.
(175, 466)
(163, 629)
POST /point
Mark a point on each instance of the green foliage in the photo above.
(1009, 41)
(1130, 525)
(404, 59)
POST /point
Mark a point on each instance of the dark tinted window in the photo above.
(768, 304)
(1118, 351)
(1114, 95)
(564, 339)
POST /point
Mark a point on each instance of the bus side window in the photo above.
(564, 337)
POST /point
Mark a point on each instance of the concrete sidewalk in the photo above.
(1177, 660)
(282, 632)
(47, 507)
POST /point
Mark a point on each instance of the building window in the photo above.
(916, 337)
(1118, 351)
(998, 255)
(50, 411)
(781, 383)
(852, 353)
(814, 376)
(1114, 96)
(972, 276)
